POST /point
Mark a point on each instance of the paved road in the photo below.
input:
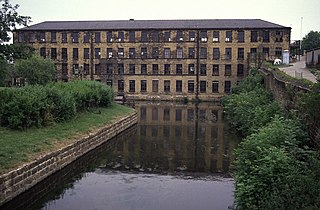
(299, 68)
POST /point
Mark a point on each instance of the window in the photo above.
(178, 68)
(21, 37)
(227, 86)
(86, 38)
(179, 52)
(132, 53)
(53, 37)
(143, 52)
(228, 36)
(203, 53)
(192, 36)
(166, 86)
(43, 52)
(64, 37)
(167, 53)
(178, 118)
(120, 68)
(278, 52)
(97, 37)
(166, 114)
(41, 37)
(203, 86)
(31, 37)
(109, 68)
(240, 36)
(143, 68)
(279, 36)
(215, 86)
(132, 68)
(97, 68)
(155, 52)
(215, 36)
(190, 86)
(178, 86)
(97, 53)
(120, 85)
(86, 68)
(215, 70)
(109, 82)
(65, 69)
(75, 69)
(64, 54)
(166, 69)
(240, 53)
(109, 52)
(120, 36)
(132, 86)
(154, 113)
(266, 36)
(254, 36)
(240, 69)
(167, 36)
(191, 69)
(86, 53)
(203, 36)
(228, 54)
(75, 37)
(53, 53)
(191, 52)
(143, 87)
(216, 54)
(179, 37)
(75, 54)
(253, 50)
(155, 36)
(203, 69)
(155, 69)
(265, 51)
(144, 36)
(155, 86)
(227, 71)
(120, 53)
(132, 36)
(109, 36)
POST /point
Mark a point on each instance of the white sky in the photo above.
(284, 12)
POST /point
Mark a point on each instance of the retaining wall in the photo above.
(17, 181)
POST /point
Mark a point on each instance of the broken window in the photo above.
(120, 36)
(64, 53)
(64, 37)
(166, 69)
(144, 36)
(86, 38)
(109, 68)
(109, 36)
(132, 86)
(166, 85)
(120, 68)
(75, 37)
(143, 86)
(97, 53)
(191, 52)
(227, 71)
(240, 53)
(132, 53)
(155, 52)
(179, 69)
(167, 53)
(179, 52)
(279, 36)
(132, 68)
(254, 36)
(228, 53)
(240, 70)
(75, 54)
(190, 86)
(240, 36)
(228, 36)
(155, 36)
(227, 86)
(216, 54)
(41, 37)
(97, 37)
(86, 68)
(109, 82)
(144, 69)
(203, 86)
(178, 86)
(203, 36)
(97, 68)
(265, 51)
(167, 36)
(215, 70)
(132, 36)
(120, 85)
(192, 36)
(179, 37)
(143, 52)
(266, 36)
(253, 50)
(65, 69)
(155, 69)
(203, 53)
(109, 52)
(53, 37)
(86, 53)
(53, 53)
(203, 69)
(215, 86)
(43, 52)
(191, 69)
(120, 52)
(215, 36)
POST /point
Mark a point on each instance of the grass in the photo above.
(19, 147)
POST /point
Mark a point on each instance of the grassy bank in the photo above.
(19, 147)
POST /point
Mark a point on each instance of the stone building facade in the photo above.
(153, 59)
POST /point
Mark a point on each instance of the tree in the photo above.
(3, 71)
(10, 19)
(36, 70)
(311, 40)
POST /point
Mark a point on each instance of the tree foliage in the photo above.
(311, 40)
(3, 71)
(10, 19)
(35, 70)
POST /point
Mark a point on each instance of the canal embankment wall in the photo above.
(17, 181)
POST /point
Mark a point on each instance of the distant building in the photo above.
(147, 59)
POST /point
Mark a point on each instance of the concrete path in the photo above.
(299, 70)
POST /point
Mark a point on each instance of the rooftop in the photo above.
(153, 24)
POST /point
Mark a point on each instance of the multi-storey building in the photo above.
(147, 59)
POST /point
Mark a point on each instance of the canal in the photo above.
(178, 156)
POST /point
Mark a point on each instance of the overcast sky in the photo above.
(284, 12)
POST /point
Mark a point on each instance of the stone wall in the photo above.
(17, 181)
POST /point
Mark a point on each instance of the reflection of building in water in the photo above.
(177, 137)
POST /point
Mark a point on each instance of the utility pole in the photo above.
(300, 53)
